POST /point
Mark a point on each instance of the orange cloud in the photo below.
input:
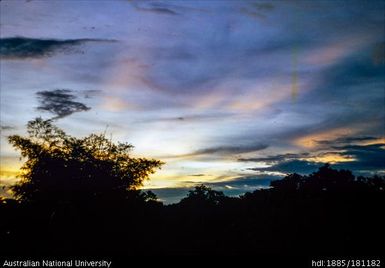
(311, 141)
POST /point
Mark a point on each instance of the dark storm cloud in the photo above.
(60, 102)
(24, 48)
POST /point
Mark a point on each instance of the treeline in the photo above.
(330, 212)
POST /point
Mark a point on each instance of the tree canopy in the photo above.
(65, 168)
(203, 195)
(326, 180)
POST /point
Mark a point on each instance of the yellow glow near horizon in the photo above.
(187, 173)
(9, 173)
(330, 158)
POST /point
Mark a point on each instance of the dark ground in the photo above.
(329, 214)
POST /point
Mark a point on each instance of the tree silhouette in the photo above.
(203, 195)
(325, 179)
(290, 183)
(329, 179)
(63, 168)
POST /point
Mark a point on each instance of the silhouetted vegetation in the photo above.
(64, 169)
(79, 196)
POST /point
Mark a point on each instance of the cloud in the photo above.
(158, 8)
(60, 102)
(341, 153)
(24, 48)
(244, 184)
(189, 118)
(352, 88)
(292, 166)
(91, 93)
(257, 10)
(6, 127)
(348, 140)
(378, 54)
(368, 157)
(274, 158)
(229, 150)
(356, 69)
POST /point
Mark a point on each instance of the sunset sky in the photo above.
(228, 93)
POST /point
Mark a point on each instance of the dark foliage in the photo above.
(61, 169)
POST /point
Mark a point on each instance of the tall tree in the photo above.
(65, 168)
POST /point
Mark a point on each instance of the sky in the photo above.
(232, 94)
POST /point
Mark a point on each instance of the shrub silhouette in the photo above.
(61, 168)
